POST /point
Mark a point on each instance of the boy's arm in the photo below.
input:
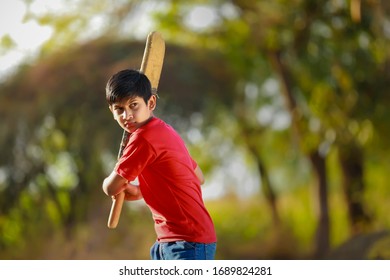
(199, 174)
(115, 184)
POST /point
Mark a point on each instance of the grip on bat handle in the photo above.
(116, 209)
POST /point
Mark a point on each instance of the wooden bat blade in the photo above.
(153, 59)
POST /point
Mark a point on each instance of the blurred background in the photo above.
(284, 104)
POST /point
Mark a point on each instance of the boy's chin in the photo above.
(127, 129)
(130, 129)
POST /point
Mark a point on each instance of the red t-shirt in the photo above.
(157, 155)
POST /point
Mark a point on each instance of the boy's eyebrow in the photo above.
(124, 102)
(132, 99)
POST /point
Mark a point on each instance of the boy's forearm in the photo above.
(114, 184)
(111, 190)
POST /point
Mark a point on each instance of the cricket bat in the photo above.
(151, 66)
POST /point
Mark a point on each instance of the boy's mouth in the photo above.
(130, 125)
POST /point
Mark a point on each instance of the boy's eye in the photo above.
(133, 105)
(118, 110)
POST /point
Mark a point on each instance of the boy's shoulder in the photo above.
(157, 128)
(159, 135)
(154, 123)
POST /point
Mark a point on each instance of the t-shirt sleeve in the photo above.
(137, 154)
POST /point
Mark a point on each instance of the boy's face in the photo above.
(131, 113)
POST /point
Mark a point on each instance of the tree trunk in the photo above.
(267, 190)
(351, 161)
(318, 162)
(323, 227)
(251, 136)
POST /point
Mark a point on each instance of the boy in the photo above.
(169, 179)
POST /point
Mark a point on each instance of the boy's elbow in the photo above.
(106, 188)
(113, 184)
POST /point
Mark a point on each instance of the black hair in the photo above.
(128, 83)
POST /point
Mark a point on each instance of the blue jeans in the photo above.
(182, 250)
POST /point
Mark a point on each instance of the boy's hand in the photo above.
(132, 192)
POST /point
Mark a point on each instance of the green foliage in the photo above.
(6, 43)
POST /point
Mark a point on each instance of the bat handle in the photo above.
(125, 139)
(116, 209)
(117, 201)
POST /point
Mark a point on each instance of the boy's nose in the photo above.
(127, 115)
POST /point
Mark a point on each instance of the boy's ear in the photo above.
(152, 102)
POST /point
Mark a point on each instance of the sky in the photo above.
(28, 36)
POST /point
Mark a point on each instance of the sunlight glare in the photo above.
(202, 17)
(28, 36)
(11, 14)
